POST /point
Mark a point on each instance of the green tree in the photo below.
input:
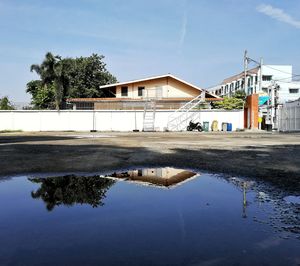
(236, 101)
(68, 78)
(43, 97)
(5, 104)
(84, 75)
(51, 74)
(240, 95)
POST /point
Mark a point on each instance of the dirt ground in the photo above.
(271, 156)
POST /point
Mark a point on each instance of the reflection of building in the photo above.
(162, 177)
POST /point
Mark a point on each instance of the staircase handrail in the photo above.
(184, 109)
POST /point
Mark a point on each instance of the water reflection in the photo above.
(285, 214)
(200, 223)
(70, 189)
(162, 177)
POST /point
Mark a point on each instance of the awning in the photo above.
(262, 100)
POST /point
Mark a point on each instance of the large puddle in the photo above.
(157, 216)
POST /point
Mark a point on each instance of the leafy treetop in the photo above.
(236, 101)
(62, 78)
(5, 104)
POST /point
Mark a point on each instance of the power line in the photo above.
(258, 63)
(293, 75)
(291, 82)
(254, 61)
(282, 80)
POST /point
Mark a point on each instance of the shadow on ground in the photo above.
(16, 139)
(278, 164)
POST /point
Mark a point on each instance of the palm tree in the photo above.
(51, 73)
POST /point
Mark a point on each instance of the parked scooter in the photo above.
(194, 126)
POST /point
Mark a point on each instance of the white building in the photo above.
(281, 75)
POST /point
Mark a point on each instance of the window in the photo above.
(265, 90)
(266, 77)
(158, 92)
(294, 90)
(124, 91)
(141, 91)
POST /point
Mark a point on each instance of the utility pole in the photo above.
(259, 89)
(245, 70)
(260, 74)
(269, 119)
(244, 200)
(275, 118)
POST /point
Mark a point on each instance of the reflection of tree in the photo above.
(71, 189)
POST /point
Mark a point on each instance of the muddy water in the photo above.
(158, 216)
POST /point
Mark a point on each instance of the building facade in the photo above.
(259, 81)
(168, 92)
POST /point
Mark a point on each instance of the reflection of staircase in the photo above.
(179, 120)
(149, 115)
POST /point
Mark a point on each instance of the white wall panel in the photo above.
(104, 120)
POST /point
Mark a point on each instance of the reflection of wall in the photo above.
(157, 176)
(166, 172)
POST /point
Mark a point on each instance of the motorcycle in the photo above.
(192, 126)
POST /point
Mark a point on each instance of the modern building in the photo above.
(168, 91)
(274, 85)
(260, 80)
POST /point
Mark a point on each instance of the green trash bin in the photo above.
(206, 126)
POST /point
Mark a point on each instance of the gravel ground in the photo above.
(270, 156)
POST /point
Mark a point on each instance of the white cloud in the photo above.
(183, 28)
(278, 14)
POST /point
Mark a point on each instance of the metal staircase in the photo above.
(179, 120)
(149, 115)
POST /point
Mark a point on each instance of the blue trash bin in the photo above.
(229, 126)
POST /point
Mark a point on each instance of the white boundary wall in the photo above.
(289, 117)
(104, 120)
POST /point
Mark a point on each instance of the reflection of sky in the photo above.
(200, 221)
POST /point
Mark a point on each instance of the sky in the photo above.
(200, 41)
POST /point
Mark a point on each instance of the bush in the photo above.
(5, 104)
(237, 101)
